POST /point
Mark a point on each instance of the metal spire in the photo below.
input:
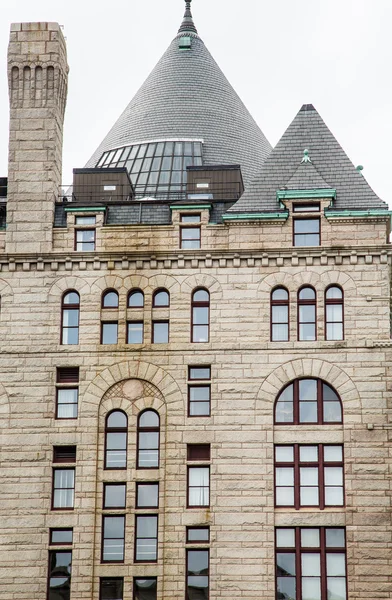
(187, 24)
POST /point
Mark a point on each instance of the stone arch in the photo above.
(164, 281)
(135, 281)
(338, 278)
(68, 283)
(309, 367)
(202, 280)
(132, 396)
(108, 282)
(5, 409)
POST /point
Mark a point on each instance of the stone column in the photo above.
(37, 78)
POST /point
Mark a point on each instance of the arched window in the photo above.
(148, 440)
(308, 401)
(334, 328)
(200, 316)
(280, 315)
(135, 299)
(116, 433)
(161, 299)
(110, 299)
(70, 318)
(307, 314)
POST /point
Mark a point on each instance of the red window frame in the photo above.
(115, 430)
(274, 303)
(138, 537)
(199, 382)
(200, 304)
(333, 302)
(197, 550)
(130, 294)
(58, 574)
(103, 538)
(103, 297)
(53, 507)
(154, 296)
(72, 306)
(141, 429)
(306, 302)
(297, 400)
(135, 579)
(189, 487)
(79, 243)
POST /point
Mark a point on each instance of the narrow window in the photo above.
(198, 486)
(85, 240)
(113, 538)
(116, 432)
(59, 574)
(60, 537)
(308, 401)
(63, 489)
(197, 535)
(145, 589)
(110, 299)
(70, 318)
(135, 299)
(135, 332)
(307, 232)
(148, 440)
(160, 332)
(111, 588)
(311, 563)
(114, 495)
(67, 392)
(198, 570)
(334, 329)
(309, 476)
(200, 316)
(199, 391)
(161, 299)
(146, 538)
(307, 314)
(190, 233)
(280, 315)
(147, 495)
(109, 332)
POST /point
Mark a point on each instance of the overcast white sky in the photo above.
(278, 55)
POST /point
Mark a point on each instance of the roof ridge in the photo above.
(187, 22)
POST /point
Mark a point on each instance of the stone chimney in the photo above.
(37, 79)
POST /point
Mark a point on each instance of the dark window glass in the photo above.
(70, 318)
(307, 314)
(148, 440)
(61, 537)
(85, 240)
(135, 299)
(161, 298)
(306, 207)
(113, 538)
(200, 316)
(197, 584)
(111, 588)
(198, 452)
(67, 375)
(308, 401)
(160, 332)
(67, 403)
(306, 232)
(110, 299)
(147, 495)
(64, 454)
(197, 535)
(145, 589)
(63, 488)
(198, 486)
(59, 575)
(109, 333)
(116, 440)
(114, 495)
(280, 315)
(334, 322)
(135, 332)
(146, 538)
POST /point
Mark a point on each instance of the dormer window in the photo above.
(306, 208)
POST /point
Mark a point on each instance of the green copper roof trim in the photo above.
(357, 213)
(308, 194)
(85, 209)
(256, 216)
(189, 206)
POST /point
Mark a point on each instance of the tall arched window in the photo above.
(200, 316)
(161, 299)
(135, 299)
(334, 319)
(307, 314)
(116, 434)
(307, 401)
(280, 315)
(148, 440)
(110, 299)
(70, 318)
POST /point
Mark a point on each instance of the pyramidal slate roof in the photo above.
(186, 96)
(330, 167)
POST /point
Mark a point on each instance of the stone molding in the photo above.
(68, 283)
(294, 281)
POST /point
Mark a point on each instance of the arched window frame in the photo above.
(284, 303)
(115, 430)
(156, 293)
(104, 295)
(333, 302)
(200, 304)
(320, 403)
(303, 303)
(71, 307)
(130, 294)
(140, 430)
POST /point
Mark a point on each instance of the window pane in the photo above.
(136, 300)
(285, 538)
(135, 333)
(199, 409)
(70, 317)
(115, 496)
(286, 588)
(149, 419)
(109, 333)
(200, 315)
(285, 476)
(201, 296)
(332, 412)
(335, 538)
(160, 333)
(145, 589)
(334, 312)
(307, 293)
(284, 453)
(147, 495)
(308, 412)
(148, 459)
(310, 565)
(309, 496)
(200, 333)
(334, 496)
(61, 536)
(336, 588)
(198, 534)
(309, 476)
(334, 331)
(148, 440)
(161, 299)
(71, 298)
(307, 313)
(311, 588)
(308, 389)
(280, 333)
(67, 403)
(333, 453)
(280, 314)
(334, 293)
(333, 476)
(307, 332)
(110, 300)
(147, 527)
(336, 565)
(190, 233)
(280, 294)
(111, 589)
(285, 496)
(63, 498)
(284, 412)
(285, 564)
(310, 538)
(200, 373)
(199, 393)
(117, 420)
(308, 453)
(199, 476)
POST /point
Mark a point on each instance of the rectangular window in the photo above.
(198, 571)
(146, 538)
(135, 332)
(60, 537)
(63, 489)
(145, 589)
(111, 588)
(114, 495)
(198, 486)
(85, 240)
(190, 218)
(64, 454)
(113, 538)
(197, 535)
(306, 208)
(307, 232)
(85, 220)
(198, 452)
(109, 332)
(199, 395)
(147, 495)
(311, 563)
(59, 575)
(309, 476)
(160, 332)
(67, 397)
(190, 237)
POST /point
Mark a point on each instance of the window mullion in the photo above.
(298, 569)
(321, 477)
(297, 480)
(323, 564)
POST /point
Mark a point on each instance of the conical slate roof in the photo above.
(187, 97)
(331, 167)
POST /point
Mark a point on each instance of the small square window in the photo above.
(147, 495)
(198, 487)
(145, 589)
(190, 238)
(199, 395)
(198, 452)
(67, 403)
(85, 240)
(64, 454)
(109, 332)
(135, 332)
(114, 495)
(197, 535)
(85, 220)
(160, 332)
(60, 537)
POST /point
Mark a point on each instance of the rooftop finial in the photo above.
(306, 158)
(187, 24)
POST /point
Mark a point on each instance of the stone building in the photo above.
(195, 349)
